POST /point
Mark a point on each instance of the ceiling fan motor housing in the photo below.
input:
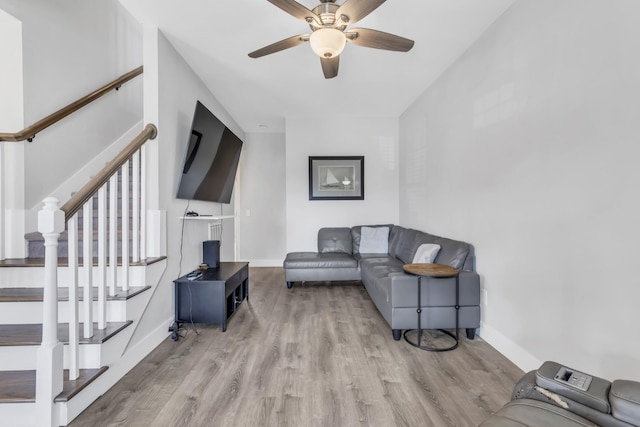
(326, 11)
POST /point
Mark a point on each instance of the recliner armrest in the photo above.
(596, 397)
(606, 404)
(625, 401)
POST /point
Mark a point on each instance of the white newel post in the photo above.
(50, 356)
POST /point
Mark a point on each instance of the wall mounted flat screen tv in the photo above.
(212, 158)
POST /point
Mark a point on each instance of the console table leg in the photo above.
(419, 311)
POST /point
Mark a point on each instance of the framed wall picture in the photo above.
(336, 178)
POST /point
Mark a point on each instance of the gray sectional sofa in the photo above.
(394, 292)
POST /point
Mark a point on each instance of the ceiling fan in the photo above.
(329, 34)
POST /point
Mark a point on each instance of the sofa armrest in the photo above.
(469, 282)
(625, 401)
(436, 291)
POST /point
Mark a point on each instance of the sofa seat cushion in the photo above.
(377, 271)
(528, 412)
(379, 265)
(315, 260)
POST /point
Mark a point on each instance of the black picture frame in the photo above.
(336, 177)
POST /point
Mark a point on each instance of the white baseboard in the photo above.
(512, 351)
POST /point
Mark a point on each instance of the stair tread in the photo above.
(62, 262)
(20, 386)
(35, 294)
(31, 334)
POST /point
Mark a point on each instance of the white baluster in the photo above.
(74, 322)
(87, 267)
(135, 206)
(125, 226)
(102, 257)
(50, 354)
(113, 234)
(143, 203)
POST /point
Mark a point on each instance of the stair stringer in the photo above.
(124, 356)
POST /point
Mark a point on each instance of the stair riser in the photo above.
(33, 277)
(18, 414)
(17, 313)
(21, 358)
(92, 356)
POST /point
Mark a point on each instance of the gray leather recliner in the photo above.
(550, 397)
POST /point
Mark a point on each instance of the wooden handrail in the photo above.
(30, 132)
(76, 202)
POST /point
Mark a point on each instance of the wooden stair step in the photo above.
(63, 262)
(35, 294)
(31, 334)
(20, 386)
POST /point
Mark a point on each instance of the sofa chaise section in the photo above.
(333, 261)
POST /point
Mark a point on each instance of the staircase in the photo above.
(21, 315)
(99, 304)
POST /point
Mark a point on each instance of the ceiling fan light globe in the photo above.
(327, 42)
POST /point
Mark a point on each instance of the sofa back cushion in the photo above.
(395, 237)
(452, 252)
(408, 244)
(335, 240)
(356, 234)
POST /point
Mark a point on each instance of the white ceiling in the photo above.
(215, 37)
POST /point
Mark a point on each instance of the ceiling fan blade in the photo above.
(378, 40)
(355, 10)
(295, 9)
(281, 45)
(330, 66)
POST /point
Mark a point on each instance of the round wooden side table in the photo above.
(432, 270)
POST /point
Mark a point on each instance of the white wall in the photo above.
(11, 74)
(71, 48)
(177, 89)
(262, 209)
(12, 214)
(527, 148)
(375, 138)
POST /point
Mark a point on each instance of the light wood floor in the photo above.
(315, 355)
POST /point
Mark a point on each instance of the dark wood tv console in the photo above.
(211, 297)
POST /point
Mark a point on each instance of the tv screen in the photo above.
(212, 158)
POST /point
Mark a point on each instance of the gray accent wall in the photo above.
(528, 148)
